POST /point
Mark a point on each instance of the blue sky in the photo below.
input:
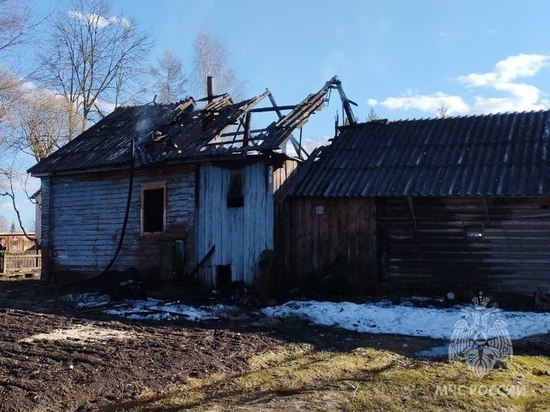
(380, 49)
(402, 57)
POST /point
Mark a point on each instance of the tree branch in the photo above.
(11, 195)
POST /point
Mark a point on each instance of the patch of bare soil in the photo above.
(44, 367)
(52, 358)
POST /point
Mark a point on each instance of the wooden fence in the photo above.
(20, 262)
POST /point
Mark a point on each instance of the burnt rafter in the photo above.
(183, 130)
(335, 83)
(297, 145)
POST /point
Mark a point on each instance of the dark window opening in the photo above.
(223, 278)
(235, 196)
(153, 210)
(544, 206)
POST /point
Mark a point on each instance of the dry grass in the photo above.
(300, 377)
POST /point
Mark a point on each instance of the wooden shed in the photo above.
(170, 189)
(17, 242)
(460, 203)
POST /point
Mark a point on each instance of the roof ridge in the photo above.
(452, 117)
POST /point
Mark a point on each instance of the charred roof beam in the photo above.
(273, 109)
(335, 83)
(297, 145)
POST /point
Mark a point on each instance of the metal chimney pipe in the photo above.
(209, 88)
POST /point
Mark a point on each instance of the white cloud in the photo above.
(522, 65)
(372, 102)
(509, 69)
(32, 92)
(99, 21)
(511, 95)
(105, 107)
(477, 79)
(311, 144)
(426, 103)
(517, 96)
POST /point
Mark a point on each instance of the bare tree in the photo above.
(443, 111)
(9, 89)
(372, 115)
(7, 190)
(169, 77)
(37, 123)
(92, 52)
(3, 224)
(16, 27)
(15, 23)
(211, 59)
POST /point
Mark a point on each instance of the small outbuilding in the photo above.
(448, 204)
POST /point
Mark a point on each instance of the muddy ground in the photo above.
(56, 357)
(100, 362)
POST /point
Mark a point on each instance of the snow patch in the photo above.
(435, 352)
(150, 309)
(154, 309)
(431, 322)
(87, 300)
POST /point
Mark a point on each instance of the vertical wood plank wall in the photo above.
(46, 227)
(344, 236)
(281, 174)
(38, 217)
(239, 234)
(18, 242)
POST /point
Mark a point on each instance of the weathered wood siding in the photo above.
(281, 174)
(512, 256)
(82, 217)
(38, 217)
(342, 238)
(239, 234)
(45, 227)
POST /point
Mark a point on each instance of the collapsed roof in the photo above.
(182, 131)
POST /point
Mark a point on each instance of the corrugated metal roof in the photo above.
(177, 131)
(485, 155)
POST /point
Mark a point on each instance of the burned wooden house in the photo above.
(170, 189)
(428, 205)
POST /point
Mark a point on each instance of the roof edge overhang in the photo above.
(404, 196)
(251, 158)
